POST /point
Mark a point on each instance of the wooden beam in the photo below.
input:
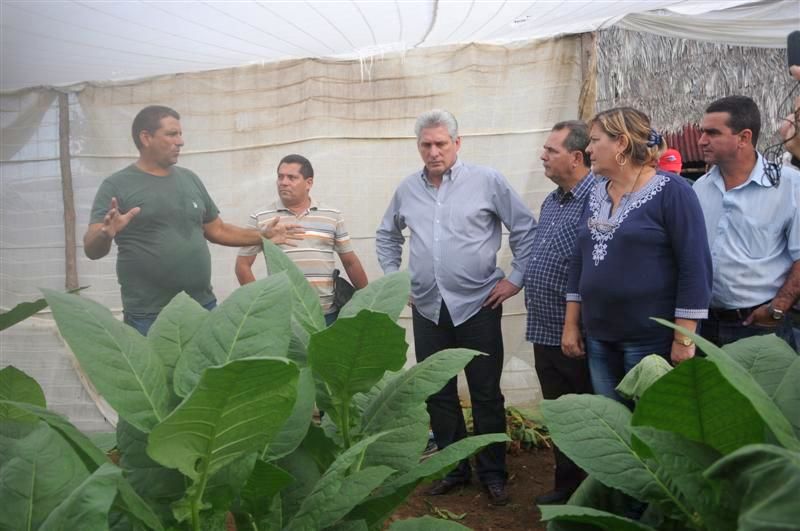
(587, 101)
(70, 247)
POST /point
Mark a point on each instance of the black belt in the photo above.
(735, 314)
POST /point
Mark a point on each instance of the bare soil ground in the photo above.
(530, 474)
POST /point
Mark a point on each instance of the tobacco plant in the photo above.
(216, 416)
(710, 445)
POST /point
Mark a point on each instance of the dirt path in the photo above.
(531, 474)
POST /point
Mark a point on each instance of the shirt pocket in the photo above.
(759, 237)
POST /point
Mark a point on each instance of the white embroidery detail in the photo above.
(602, 230)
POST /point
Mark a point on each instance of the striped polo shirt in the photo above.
(325, 234)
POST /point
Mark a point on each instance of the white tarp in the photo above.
(57, 42)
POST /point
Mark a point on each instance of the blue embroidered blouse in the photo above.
(649, 258)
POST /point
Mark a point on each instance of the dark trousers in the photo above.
(481, 332)
(722, 332)
(561, 375)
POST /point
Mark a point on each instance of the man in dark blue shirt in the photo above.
(567, 165)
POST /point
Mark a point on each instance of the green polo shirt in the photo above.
(163, 250)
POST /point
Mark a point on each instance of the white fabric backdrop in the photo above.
(238, 123)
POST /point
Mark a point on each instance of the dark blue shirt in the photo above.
(649, 258)
(546, 274)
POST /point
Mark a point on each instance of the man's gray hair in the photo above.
(437, 118)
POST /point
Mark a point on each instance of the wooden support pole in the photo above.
(587, 101)
(70, 248)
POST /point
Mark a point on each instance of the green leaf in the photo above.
(350, 525)
(683, 463)
(376, 509)
(764, 484)
(425, 523)
(444, 459)
(42, 470)
(388, 294)
(252, 322)
(302, 467)
(233, 411)
(158, 485)
(296, 426)
(131, 504)
(696, 401)
(262, 486)
(23, 310)
(105, 440)
(354, 353)
(224, 486)
(337, 492)
(16, 386)
(173, 329)
(586, 515)
(594, 431)
(775, 367)
(84, 448)
(116, 358)
(88, 505)
(400, 406)
(306, 310)
(642, 376)
(744, 383)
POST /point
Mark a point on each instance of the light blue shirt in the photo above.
(753, 233)
(455, 236)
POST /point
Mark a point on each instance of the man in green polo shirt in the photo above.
(160, 216)
(324, 234)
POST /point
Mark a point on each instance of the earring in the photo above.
(621, 159)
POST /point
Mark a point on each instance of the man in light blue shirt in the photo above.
(454, 213)
(753, 225)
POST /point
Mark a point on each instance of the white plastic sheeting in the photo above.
(57, 42)
(237, 125)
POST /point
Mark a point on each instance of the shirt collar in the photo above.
(278, 205)
(757, 175)
(451, 174)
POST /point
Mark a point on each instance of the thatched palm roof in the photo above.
(673, 80)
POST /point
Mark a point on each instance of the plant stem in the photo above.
(344, 415)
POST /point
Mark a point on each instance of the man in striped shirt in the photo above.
(325, 234)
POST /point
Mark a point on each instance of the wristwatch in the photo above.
(685, 341)
(775, 313)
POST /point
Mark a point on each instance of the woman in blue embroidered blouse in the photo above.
(641, 252)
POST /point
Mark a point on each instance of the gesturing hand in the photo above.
(282, 233)
(115, 221)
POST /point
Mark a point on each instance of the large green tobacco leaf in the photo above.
(172, 330)
(426, 523)
(16, 386)
(117, 359)
(444, 459)
(586, 515)
(90, 454)
(296, 426)
(233, 411)
(594, 495)
(642, 376)
(696, 401)
(775, 367)
(352, 355)
(263, 485)
(338, 491)
(400, 406)
(88, 505)
(764, 482)
(23, 310)
(744, 383)
(594, 431)
(683, 462)
(301, 466)
(306, 310)
(388, 294)
(159, 485)
(40, 472)
(252, 322)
